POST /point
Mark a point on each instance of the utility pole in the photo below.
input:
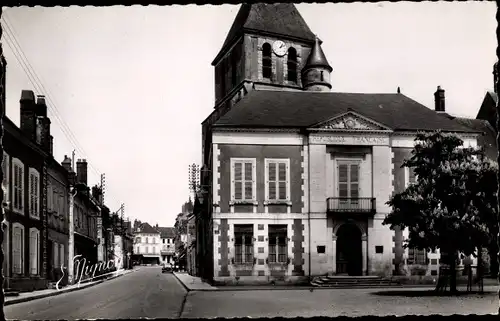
(73, 159)
(101, 246)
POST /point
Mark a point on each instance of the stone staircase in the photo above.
(353, 282)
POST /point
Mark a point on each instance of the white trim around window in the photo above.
(34, 193)
(17, 248)
(17, 186)
(240, 181)
(6, 176)
(280, 193)
(407, 177)
(34, 249)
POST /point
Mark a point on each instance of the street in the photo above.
(149, 293)
(143, 293)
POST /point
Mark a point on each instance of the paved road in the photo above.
(143, 293)
(331, 302)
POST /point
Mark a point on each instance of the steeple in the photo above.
(317, 70)
(264, 48)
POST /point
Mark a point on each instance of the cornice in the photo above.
(255, 130)
(349, 131)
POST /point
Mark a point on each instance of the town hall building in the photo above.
(299, 174)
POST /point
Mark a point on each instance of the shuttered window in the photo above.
(6, 173)
(18, 185)
(55, 255)
(416, 256)
(34, 193)
(17, 248)
(278, 179)
(34, 248)
(348, 180)
(243, 179)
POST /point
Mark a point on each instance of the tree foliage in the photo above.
(452, 204)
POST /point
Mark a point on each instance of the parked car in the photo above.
(166, 268)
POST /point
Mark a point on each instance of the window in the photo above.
(243, 179)
(266, 61)
(243, 244)
(147, 240)
(278, 179)
(416, 256)
(410, 176)
(348, 180)
(5, 183)
(18, 185)
(278, 248)
(17, 248)
(34, 251)
(292, 64)
(147, 249)
(61, 254)
(34, 193)
(138, 250)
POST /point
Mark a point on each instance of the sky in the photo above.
(128, 87)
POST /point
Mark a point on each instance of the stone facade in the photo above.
(312, 238)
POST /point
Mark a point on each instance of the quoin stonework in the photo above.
(297, 175)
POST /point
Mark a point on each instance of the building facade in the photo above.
(147, 244)
(298, 175)
(58, 221)
(26, 150)
(167, 235)
(86, 211)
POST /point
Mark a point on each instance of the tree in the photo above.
(452, 205)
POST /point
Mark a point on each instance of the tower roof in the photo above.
(279, 19)
(317, 57)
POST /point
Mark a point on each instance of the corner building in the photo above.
(299, 175)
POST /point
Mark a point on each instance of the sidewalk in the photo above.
(194, 283)
(29, 296)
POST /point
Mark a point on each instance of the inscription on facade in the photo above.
(350, 140)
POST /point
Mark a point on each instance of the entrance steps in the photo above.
(341, 281)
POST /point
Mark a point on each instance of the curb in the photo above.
(42, 296)
(182, 283)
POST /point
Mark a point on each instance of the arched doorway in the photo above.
(349, 250)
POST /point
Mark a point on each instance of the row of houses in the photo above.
(37, 204)
(296, 177)
(153, 245)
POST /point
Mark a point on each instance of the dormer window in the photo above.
(266, 61)
(292, 64)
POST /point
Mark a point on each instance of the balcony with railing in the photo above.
(351, 205)
(167, 249)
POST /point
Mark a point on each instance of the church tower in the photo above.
(317, 70)
(266, 48)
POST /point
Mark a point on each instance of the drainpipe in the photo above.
(309, 201)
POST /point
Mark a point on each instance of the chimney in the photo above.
(399, 90)
(439, 100)
(66, 163)
(43, 137)
(97, 193)
(28, 114)
(81, 171)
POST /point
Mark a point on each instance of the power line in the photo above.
(37, 83)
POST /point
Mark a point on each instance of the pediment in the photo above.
(351, 121)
